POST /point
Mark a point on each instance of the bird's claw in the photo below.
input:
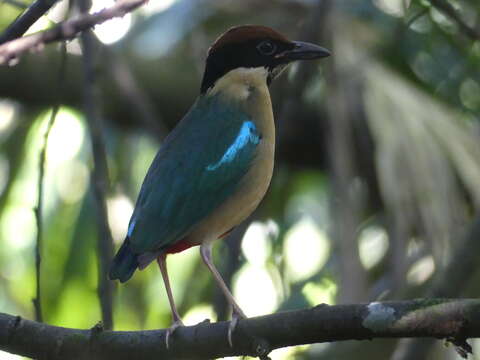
(176, 324)
(236, 316)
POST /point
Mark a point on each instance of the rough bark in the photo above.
(454, 320)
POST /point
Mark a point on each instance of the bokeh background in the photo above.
(377, 179)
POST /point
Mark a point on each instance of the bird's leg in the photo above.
(162, 264)
(237, 313)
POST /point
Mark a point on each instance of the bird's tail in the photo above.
(124, 263)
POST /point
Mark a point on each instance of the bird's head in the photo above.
(252, 46)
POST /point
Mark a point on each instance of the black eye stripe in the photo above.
(266, 47)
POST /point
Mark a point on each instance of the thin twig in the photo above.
(447, 8)
(41, 175)
(99, 180)
(454, 319)
(27, 19)
(66, 30)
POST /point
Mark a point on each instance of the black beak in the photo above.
(304, 51)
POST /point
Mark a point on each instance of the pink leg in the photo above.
(162, 264)
(206, 252)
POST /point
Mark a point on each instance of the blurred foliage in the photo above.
(389, 195)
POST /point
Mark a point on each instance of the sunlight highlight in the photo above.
(322, 293)
(8, 356)
(14, 268)
(120, 209)
(41, 24)
(66, 137)
(476, 347)
(199, 313)
(17, 227)
(421, 270)
(306, 249)
(152, 7)
(112, 30)
(72, 181)
(66, 174)
(373, 245)
(255, 291)
(255, 246)
(288, 353)
(7, 114)
(392, 7)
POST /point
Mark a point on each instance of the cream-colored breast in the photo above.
(247, 87)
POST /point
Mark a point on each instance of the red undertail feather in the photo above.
(184, 244)
(179, 247)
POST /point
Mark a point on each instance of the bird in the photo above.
(215, 166)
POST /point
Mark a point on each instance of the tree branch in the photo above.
(66, 30)
(27, 19)
(100, 181)
(447, 8)
(455, 320)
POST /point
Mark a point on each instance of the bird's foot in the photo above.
(176, 324)
(237, 315)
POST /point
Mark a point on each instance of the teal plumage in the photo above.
(198, 167)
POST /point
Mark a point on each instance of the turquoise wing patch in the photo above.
(199, 166)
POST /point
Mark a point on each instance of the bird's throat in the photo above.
(241, 84)
(247, 89)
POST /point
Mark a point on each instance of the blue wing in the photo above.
(199, 166)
